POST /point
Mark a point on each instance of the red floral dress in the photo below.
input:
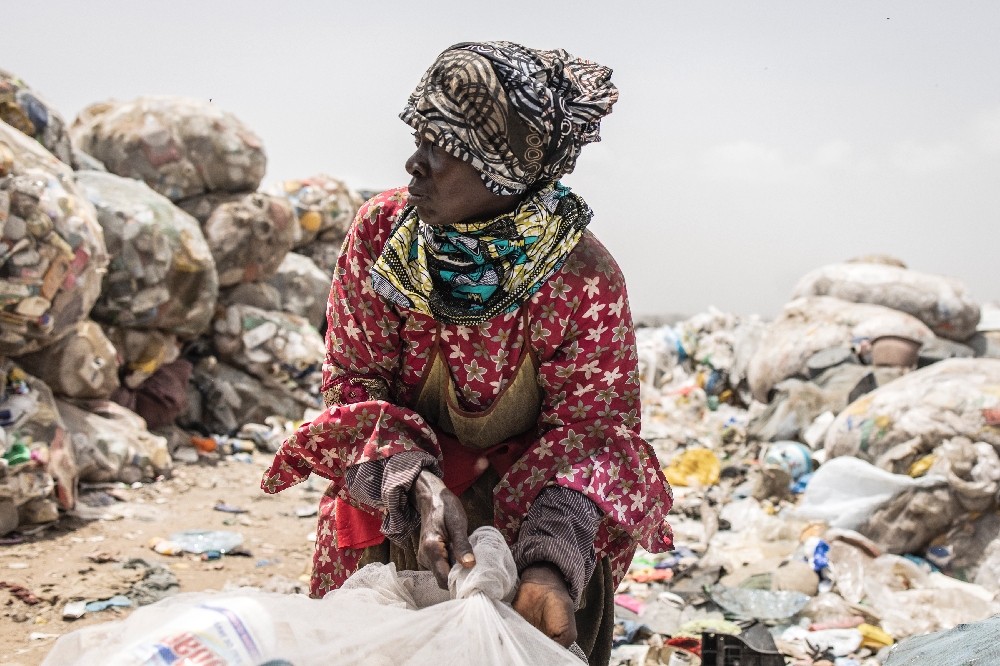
(587, 437)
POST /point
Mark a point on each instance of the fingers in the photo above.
(433, 556)
(458, 526)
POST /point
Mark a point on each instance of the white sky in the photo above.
(752, 141)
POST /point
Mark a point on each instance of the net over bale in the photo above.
(53, 253)
(161, 274)
(180, 146)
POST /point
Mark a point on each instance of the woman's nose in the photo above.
(417, 165)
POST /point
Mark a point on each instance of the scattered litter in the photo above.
(200, 541)
(222, 506)
(116, 601)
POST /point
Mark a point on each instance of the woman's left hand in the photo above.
(544, 601)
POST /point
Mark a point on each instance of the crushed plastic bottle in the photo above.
(200, 541)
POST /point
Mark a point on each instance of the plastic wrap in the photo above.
(53, 254)
(956, 397)
(81, 364)
(377, 618)
(968, 644)
(161, 274)
(273, 346)
(324, 207)
(250, 237)
(25, 110)
(809, 325)
(304, 288)
(179, 146)
(940, 302)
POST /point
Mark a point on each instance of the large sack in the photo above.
(940, 302)
(957, 397)
(82, 364)
(53, 247)
(180, 146)
(324, 206)
(273, 346)
(201, 206)
(304, 288)
(161, 274)
(25, 110)
(222, 399)
(250, 237)
(29, 417)
(323, 253)
(113, 445)
(809, 325)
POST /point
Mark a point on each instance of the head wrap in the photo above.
(520, 116)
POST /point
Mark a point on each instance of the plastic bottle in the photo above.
(233, 632)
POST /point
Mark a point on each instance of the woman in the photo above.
(481, 365)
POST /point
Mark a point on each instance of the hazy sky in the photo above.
(752, 141)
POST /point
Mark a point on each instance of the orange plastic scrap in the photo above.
(650, 574)
(204, 444)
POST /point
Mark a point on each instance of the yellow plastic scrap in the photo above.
(874, 637)
(920, 467)
(694, 466)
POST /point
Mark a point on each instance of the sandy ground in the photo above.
(55, 564)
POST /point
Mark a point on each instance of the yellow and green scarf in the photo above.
(466, 274)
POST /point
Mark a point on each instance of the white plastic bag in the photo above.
(846, 491)
(378, 618)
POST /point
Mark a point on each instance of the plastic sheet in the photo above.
(179, 146)
(846, 492)
(275, 346)
(759, 604)
(52, 250)
(378, 618)
(957, 397)
(810, 325)
(250, 237)
(304, 289)
(162, 275)
(324, 207)
(940, 302)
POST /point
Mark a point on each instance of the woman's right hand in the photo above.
(443, 527)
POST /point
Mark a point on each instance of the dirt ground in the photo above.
(66, 561)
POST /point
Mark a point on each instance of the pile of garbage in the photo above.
(835, 472)
(158, 305)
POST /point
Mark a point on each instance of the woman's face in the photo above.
(445, 190)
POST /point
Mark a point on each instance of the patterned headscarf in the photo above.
(520, 116)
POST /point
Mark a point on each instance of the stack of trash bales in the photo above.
(26, 111)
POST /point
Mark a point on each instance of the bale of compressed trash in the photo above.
(37, 464)
(142, 352)
(111, 443)
(940, 302)
(304, 288)
(273, 346)
(53, 253)
(918, 411)
(162, 274)
(81, 364)
(250, 237)
(323, 253)
(817, 323)
(201, 206)
(324, 207)
(221, 399)
(26, 111)
(179, 146)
